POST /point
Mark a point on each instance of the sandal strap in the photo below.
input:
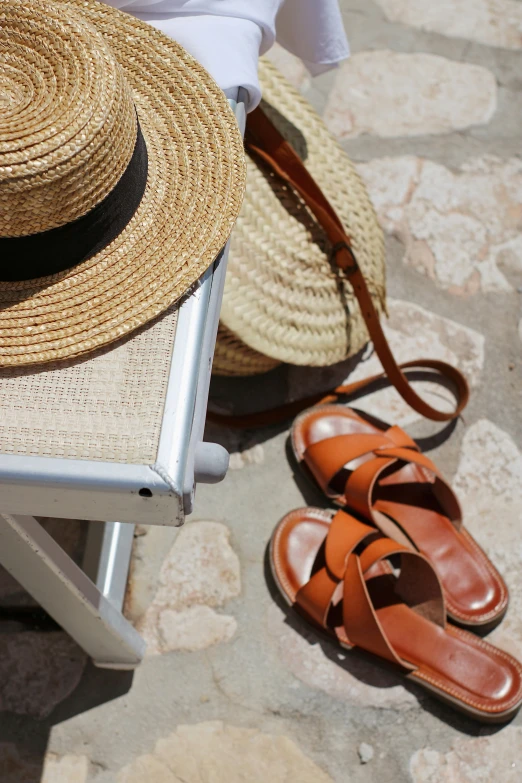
(359, 487)
(417, 584)
(360, 621)
(400, 438)
(409, 455)
(316, 596)
(329, 455)
(406, 515)
(344, 535)
(264, 140)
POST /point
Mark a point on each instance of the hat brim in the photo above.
(195, 186)
(284, 296)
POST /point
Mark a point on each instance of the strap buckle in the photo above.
(348, 269)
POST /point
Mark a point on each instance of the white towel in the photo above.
(227, 36)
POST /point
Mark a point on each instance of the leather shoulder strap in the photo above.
(264, 140)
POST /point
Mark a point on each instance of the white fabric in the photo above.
(227, 48)
(227, 36)
(314, 31)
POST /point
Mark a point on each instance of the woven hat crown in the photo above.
(67, 121)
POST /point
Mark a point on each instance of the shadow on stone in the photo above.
(45, 678)
(245, 396)
(38, 699)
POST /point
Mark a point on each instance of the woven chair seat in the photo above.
(106, 407)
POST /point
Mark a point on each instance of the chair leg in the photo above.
(107, 556)
(92, 619)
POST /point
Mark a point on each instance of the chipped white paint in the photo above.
(458, 227)
(491, 22)
(391, 94)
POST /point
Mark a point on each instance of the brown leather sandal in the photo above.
(336, 572)
(379, 473)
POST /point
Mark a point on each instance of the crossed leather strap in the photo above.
(374, 454)
(264, 140)
(417, 585)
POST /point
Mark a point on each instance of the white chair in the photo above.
(118, 438)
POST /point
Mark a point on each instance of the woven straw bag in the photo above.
(285, 300)
(233, 357)
(317, 299)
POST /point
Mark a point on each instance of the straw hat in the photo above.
(284, 298)
(121, 176)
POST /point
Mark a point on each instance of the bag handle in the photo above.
(264, 140)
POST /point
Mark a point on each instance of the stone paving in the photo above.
(233, 687)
